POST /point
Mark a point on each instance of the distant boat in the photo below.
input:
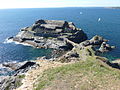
(81, 12)
(99, 19)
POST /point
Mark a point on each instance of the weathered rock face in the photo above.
(10, 83)
(25, 67)
(100, 42)
(86, 48)
(105, 47)
(21, 67)
(97, 40)
(50, 34)
(13, 81)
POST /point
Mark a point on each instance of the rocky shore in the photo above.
(13, 80)
(59, 35)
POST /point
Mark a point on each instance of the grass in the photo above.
(84, 75)
(21, 76)
(50, 38)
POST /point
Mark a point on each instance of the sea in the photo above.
(94, 21)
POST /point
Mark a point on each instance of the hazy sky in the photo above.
(56, 3)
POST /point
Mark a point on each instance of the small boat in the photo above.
(99, 19)
(81, 12)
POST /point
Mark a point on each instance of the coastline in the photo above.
(32, 75)
(77, 50)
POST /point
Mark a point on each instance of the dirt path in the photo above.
(33, 74)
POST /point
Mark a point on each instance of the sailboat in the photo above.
(99, 19)
(81, 12)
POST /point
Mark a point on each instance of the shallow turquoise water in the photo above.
(11, 20)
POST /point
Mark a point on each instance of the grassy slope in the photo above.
(90, 74)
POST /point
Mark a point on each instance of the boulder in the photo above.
(10, 38)
(11, 65)
(25, 67)
(19, 67)
(114, 65)
(116, 61)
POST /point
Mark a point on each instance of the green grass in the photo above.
(21, 76)
(50, 38)
(80, 73)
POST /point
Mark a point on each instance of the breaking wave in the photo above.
(7, 41)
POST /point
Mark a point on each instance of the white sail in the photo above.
(81, 12)
(99, 19)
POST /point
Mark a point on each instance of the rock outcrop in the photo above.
(50, 34)
(105, 47)
(86, 48)
(14, 80)
(96, 40)
(20, 67)
(25, 67)
(11, 82)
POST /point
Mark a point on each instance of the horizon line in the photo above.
(62, 7)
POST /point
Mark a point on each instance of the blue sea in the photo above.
(12, 20)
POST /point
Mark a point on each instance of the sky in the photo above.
(57, 3)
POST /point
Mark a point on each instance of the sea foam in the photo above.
(7, 41)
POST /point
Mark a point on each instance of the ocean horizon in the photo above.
(57, 7)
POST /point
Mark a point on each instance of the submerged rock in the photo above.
(50, 34)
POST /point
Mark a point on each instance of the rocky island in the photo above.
(81, 59)
(50, 34)
(114, 7)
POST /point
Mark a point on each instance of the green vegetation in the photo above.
(14, 82)
(18, 83)
(85, 52)
(83, 75)
(50, 38)
(21, 76)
